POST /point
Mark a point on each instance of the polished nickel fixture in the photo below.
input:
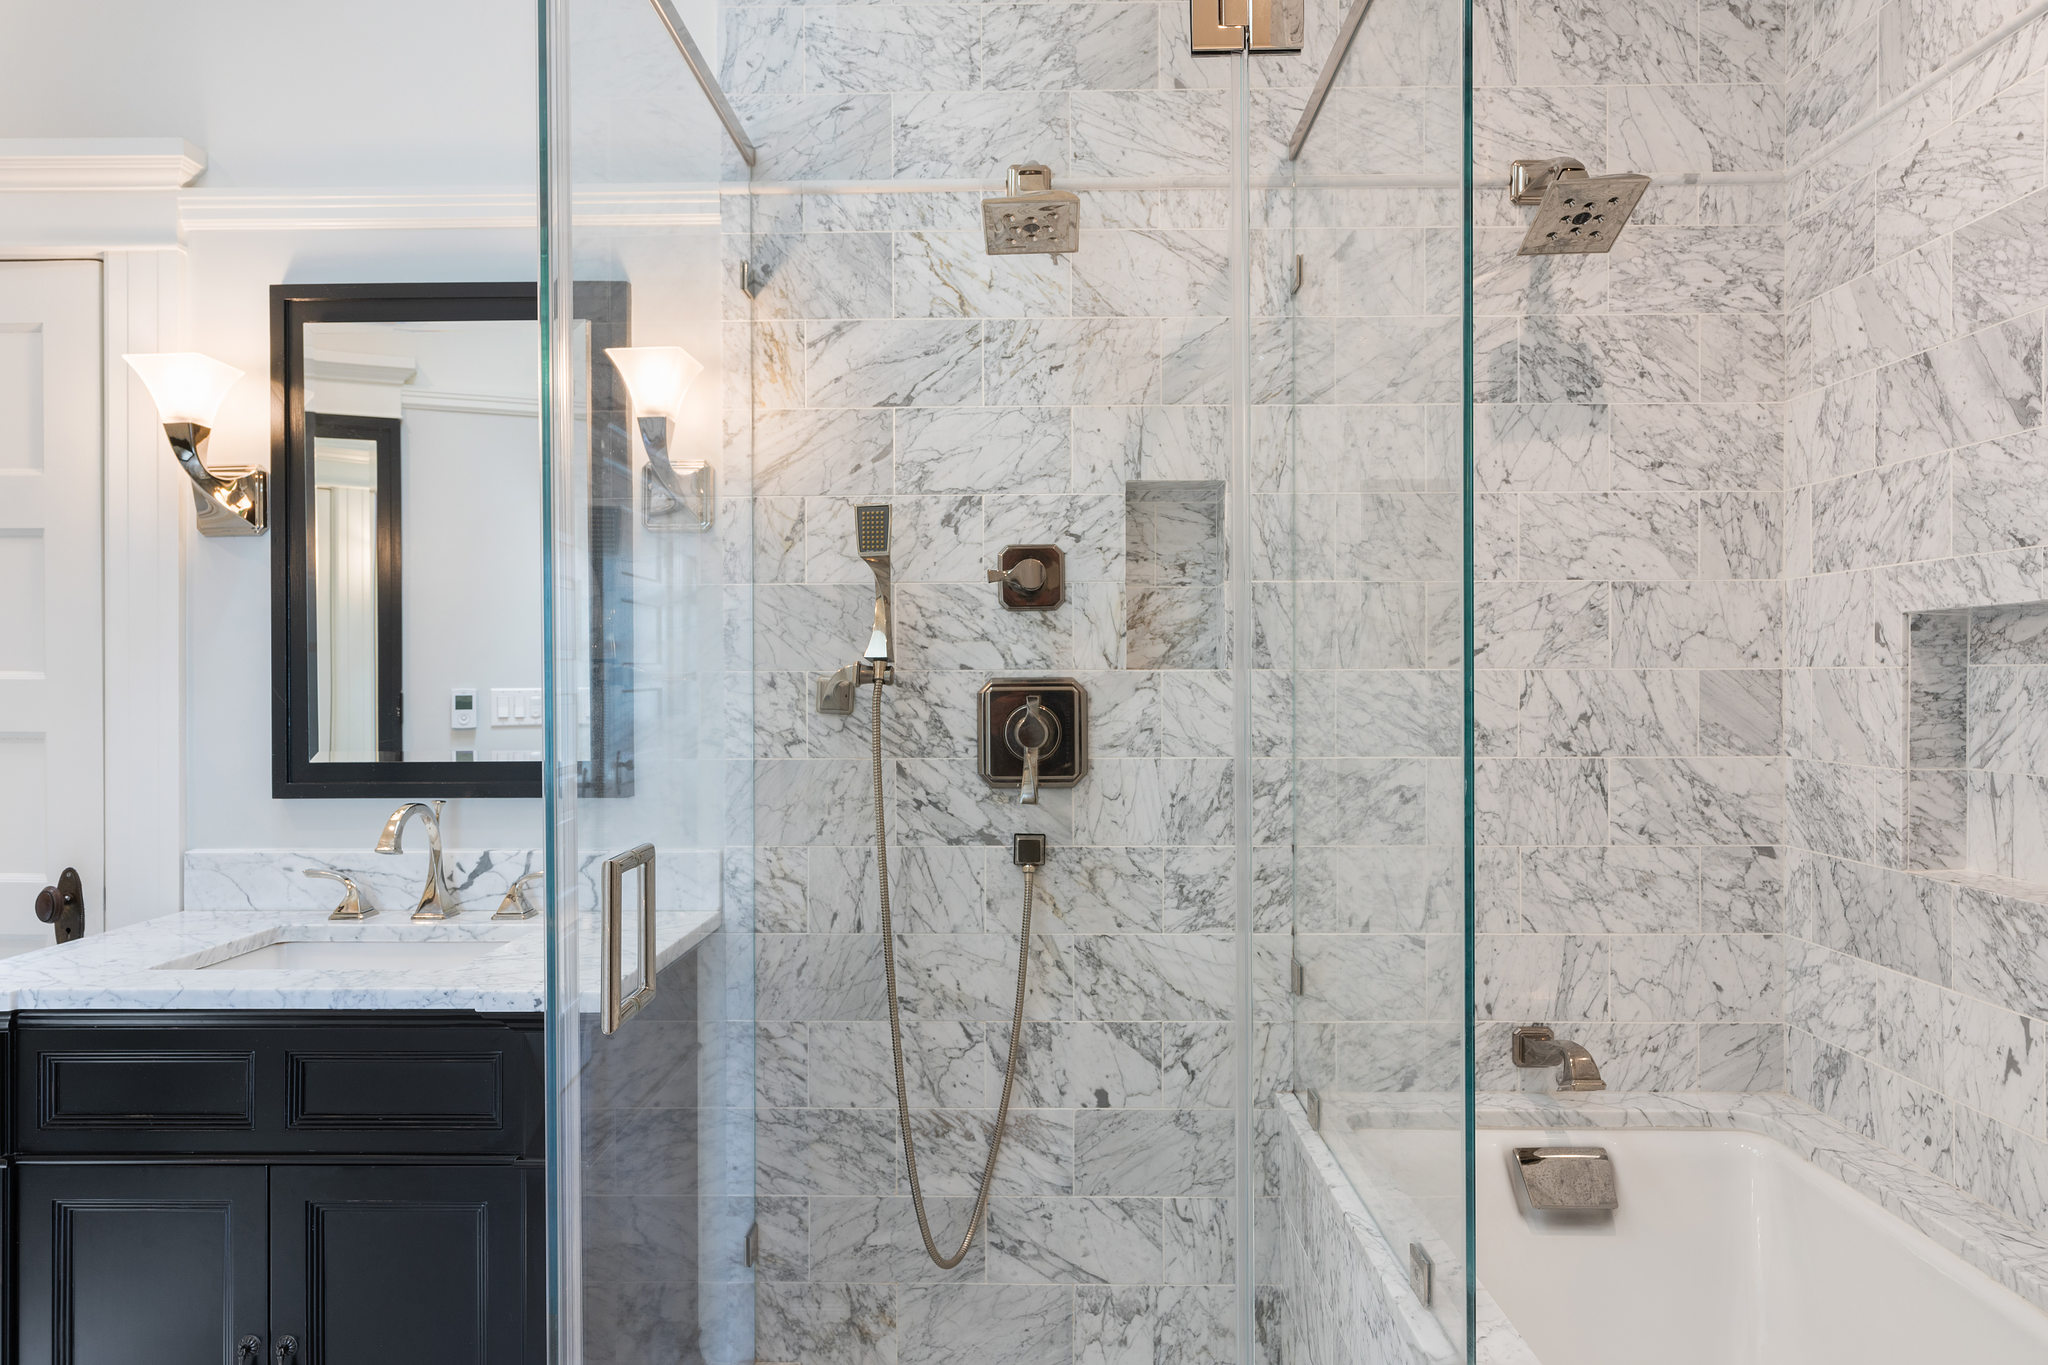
(1032, 577)
(436, 900)
(1031, 218)
(517, 905)
(187, 388)
(351, 907)
(675, 496)
(1216, 27)
(1576, 214)
(1034, 735)
(1537, 1046)
(1565, 1179)
(835, 692)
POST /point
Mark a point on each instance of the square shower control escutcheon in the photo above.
(1063, 758)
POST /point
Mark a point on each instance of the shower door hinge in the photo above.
(1421, 1273)
(753, 1243)
(1298, 274)
(747, 278)
(1297, 977)
(1313, 1103)
(1219, 26)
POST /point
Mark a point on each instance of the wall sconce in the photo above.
(188, 389)
(678, 496)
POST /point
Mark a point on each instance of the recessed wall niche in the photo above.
(1174, 571)
(1977, 741)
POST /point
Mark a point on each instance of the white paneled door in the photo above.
(52, 797)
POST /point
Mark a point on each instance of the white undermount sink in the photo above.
(317, 955)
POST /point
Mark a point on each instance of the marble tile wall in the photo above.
(1916, 283)
(1076, 399)
(1629, 613)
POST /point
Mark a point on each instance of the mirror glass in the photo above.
(425, 561)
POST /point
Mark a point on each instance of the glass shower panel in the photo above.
(1358, 421)
(650, 745)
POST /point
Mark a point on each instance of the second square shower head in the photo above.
(1575, 213)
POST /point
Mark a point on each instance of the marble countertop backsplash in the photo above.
(274, 878)
(125, 968)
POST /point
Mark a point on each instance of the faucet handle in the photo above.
(516, 905)
(351, 907)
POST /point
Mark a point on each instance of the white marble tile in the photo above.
(978, 134)
(1985, 385)
(952, 275)
(1592, 358)
(893, 364)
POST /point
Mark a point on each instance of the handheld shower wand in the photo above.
(871, 537)
(835, 697)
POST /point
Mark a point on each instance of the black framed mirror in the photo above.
(407, 565)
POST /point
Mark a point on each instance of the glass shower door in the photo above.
(1359, 394)
(648, 774)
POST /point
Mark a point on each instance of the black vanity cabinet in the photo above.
(284, 1189)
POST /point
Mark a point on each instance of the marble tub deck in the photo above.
(2015, 1256)
(122, 970)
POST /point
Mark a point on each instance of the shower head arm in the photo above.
(1529, 181)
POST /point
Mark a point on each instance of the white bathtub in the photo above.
(1729, 1250)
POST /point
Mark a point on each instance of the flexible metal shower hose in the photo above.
(995, 1139)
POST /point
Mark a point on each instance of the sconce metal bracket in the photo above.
(676, 497)
(229, 501)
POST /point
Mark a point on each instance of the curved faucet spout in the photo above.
(436, 900)
(1536, 1045)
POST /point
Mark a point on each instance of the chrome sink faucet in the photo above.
(1536, 1046)
(436, 900)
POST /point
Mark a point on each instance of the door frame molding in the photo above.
(115, 200)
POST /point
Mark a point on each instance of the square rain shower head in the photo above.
(1575, 213)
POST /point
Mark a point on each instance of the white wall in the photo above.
(418, 93)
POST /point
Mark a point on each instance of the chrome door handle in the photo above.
(617, 1005)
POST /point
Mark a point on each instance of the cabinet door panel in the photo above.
(375, 1265)
(120, 1264)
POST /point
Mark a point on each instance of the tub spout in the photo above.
(1536, 1045)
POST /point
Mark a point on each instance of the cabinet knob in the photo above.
(248, 1350)
(287, 1348)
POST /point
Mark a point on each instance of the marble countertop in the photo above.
(168, 964)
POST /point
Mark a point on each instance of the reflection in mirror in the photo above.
(358, 646)
(416, 613)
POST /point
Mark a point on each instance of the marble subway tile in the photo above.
(1977, 388)
(1541, 801)
(1742, 1057)
(1541, 625)
(893, 364)
(887, 48)
(1984, 160)
(1074, 1241)
(1741, 711)
(1697, 800)
(1670, 128)
(2001, 263)
(1897, 310)
(1610, 889)
(1163, 273)
(816, 137)
(977, 134)
(1609, 535)
(999, 1324)
(1741, 535)
(1894, 514)
(1066, 47)
(1147, 133)
(1590, 712)
(1742, 889)
(1139, 1152)
(1999, 503)
(1593, 358)
(828, 1324)
(1720, 445)
(952, 275)
(1698, 270)
(1082, 361)
(1698, 625)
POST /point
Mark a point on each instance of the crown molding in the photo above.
(373, 210)
(488, 404)
(98, 163)
(357, 367)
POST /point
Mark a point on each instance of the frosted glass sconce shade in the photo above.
(185, 385)
(656, 377)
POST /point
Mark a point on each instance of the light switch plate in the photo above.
(513, 707)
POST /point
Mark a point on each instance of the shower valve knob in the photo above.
(1030, 577)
